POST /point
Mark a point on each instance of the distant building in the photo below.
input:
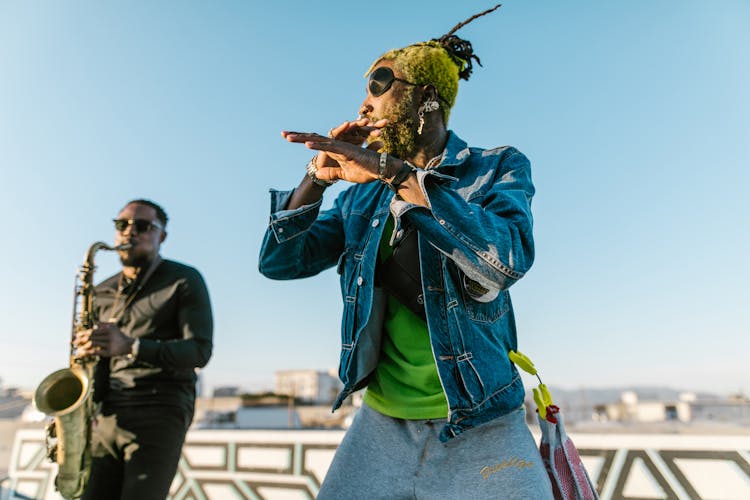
(226, 391)
(687, 408)
(631, 409)
(735, 410)
(309, 386)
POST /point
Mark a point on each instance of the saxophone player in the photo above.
(154, 328)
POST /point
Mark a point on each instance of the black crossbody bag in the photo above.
(400, 274)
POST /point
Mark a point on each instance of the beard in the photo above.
(399, 136)
(130, 260)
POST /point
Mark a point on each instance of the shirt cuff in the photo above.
(286, 224)
(148, 351)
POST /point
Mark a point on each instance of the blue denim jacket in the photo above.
(475, 241)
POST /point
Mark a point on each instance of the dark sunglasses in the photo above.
(381, 80)
(140, 225)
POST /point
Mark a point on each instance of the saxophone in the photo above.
(66, 395)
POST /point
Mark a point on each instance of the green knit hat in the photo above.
(441, 62)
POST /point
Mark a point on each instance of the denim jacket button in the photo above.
(281, 230)
(442, 222)
(376, 223)
(360, 281)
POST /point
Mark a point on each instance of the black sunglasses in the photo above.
(140, 225)
(381, 80)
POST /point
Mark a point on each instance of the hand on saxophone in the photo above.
(106, 340)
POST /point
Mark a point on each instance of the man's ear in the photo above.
(162, 237)
(429, 93)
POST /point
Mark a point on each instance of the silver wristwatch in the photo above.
(312, 169)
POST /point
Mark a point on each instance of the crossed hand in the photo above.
(342, 154)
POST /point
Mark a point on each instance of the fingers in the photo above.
(105, 340)
(97, 345)
(367, 123)
(93, 341)
(348, 127)
(334, 152)
(82, 337)
(329, 173)
(335, 132)
(86, 345)
(355, 131)
(88, 342)
(299, 137)
(380, 123)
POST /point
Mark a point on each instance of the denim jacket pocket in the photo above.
(342, 261)
(347, 332)
(477, 308)
(349, 288)
(471, 381)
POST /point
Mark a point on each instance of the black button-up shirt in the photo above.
(171, 315)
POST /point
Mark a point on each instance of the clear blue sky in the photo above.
(635, 115)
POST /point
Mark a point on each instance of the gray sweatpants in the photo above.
(382, 457)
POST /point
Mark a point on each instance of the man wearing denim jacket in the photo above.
(429, 335)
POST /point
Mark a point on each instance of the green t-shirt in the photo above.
(405, 383)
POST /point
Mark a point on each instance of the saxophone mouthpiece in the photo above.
(124, 246)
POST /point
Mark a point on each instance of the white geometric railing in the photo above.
(282, 464)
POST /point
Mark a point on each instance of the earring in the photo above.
(427, 107)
